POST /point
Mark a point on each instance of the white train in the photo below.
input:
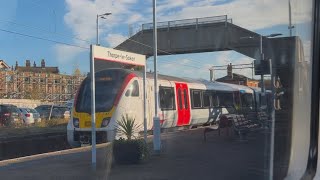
(182, 102)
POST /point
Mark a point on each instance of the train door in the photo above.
(183, 104)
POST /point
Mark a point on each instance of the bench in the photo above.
(223, 122)
(259, 117)
(243, 125)
(262, 117)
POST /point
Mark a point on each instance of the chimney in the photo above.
(34, 64)
(16, 65)
(229, 71)
(43, 63)
(28, 63)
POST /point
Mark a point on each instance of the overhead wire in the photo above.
(45, 39)
(168, 53)
(73, 45)
(45, 30)
(37, 3)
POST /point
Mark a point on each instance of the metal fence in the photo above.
(188, 22)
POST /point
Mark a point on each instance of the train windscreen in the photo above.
(107, 87)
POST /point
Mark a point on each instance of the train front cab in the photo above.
(112, 86)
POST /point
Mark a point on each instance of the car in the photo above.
(53, 111)
(69, 104)
(9, 114)
(30, 115)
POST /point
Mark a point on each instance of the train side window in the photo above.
(206, 99)
(166, 95)
(214, 99)
(225, 99)
(247, 100)
(185, 99)
(179, 98)
(196, 99)
(133, 89)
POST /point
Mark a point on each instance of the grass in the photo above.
(45, 126)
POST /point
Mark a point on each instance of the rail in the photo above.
(188, 22)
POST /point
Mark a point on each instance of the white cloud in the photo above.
(81, 19)
(253, 15)
(135, 18)
(250, 14)
(65, 53)
(115, 39)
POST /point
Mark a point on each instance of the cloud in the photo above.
(253, 15)
(66, 53)
(250, 14)
(115, 39)
(135, 18)
(81, 20)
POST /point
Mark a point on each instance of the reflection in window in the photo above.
(133, 89)
(166, 95)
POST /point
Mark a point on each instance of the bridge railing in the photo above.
(188, 22)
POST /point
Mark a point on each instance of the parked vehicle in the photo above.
(9, 114)
(69, 104)
(57, 112)
(29, 115)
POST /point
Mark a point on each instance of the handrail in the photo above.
(188, 22)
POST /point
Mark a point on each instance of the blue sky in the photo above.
(72, 22)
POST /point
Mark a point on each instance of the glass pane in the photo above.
(206, 99)
(245, 67)
(180, 98)
(196, 99)
(166, 98)
(185, 99)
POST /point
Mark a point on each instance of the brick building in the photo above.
(239, 79)
(38, 82)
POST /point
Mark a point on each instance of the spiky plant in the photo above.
(127, 126)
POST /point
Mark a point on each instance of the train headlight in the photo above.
(105, 122)
(76, 122)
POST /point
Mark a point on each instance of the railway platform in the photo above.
(185, 155)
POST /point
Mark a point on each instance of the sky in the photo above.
(61, 31)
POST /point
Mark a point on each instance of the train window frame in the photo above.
(203, 101)
(192, 91)
(171, 89)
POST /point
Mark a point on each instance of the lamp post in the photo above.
(156, 119)
(93, 95)
(103, 16)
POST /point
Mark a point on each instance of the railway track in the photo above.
(19, 146)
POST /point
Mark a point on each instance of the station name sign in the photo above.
(108, 54)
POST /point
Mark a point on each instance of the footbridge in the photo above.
(208, 34)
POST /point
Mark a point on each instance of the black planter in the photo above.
(129, 151)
